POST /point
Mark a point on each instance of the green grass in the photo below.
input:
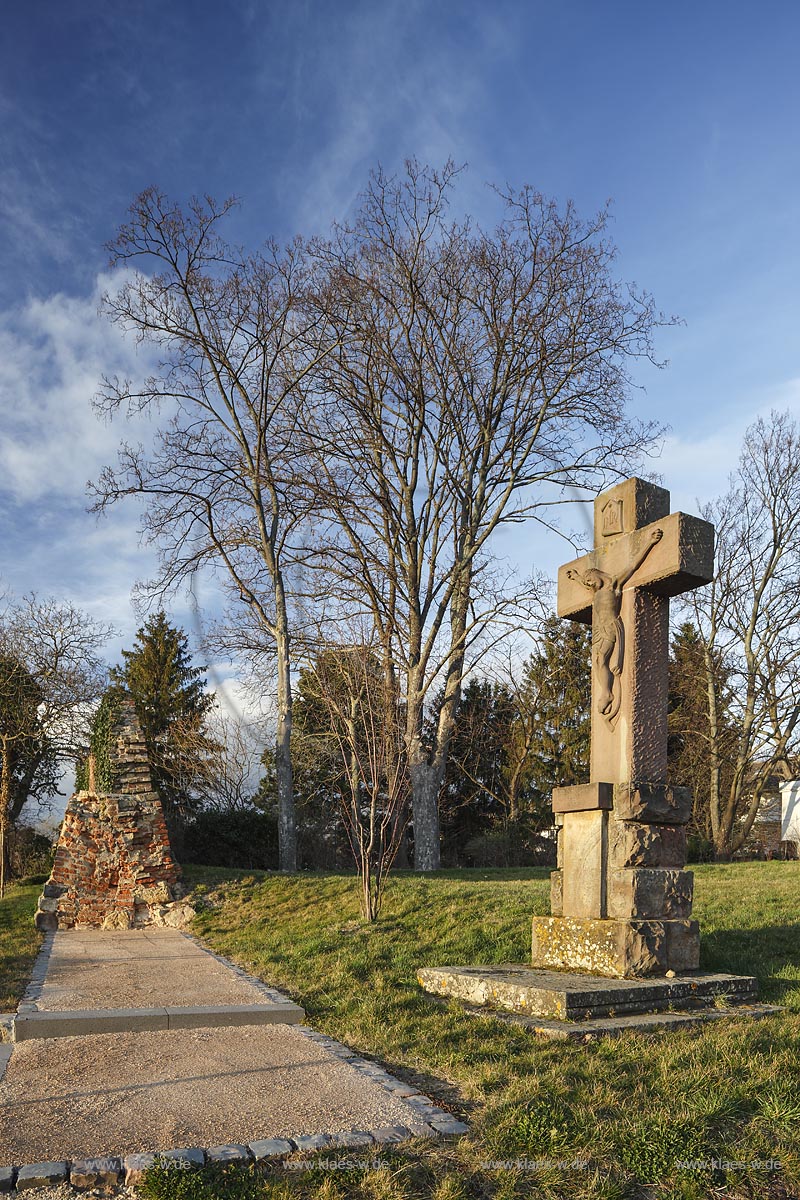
(19, 941)
(626, 1110)
(611, 1119)
(231, 1181)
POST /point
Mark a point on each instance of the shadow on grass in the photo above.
(771, 953)
(477, 874)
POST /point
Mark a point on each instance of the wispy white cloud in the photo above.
(696, 469)
(386, 85)
(53, 353)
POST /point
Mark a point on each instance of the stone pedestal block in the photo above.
(584, 841)
(646, 892)
(556, 893)
(615, 948)
(581, 797)
(683, 945)
(633, 844)
(652, 802)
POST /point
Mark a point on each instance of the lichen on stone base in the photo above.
(624, 949)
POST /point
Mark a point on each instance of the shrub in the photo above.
(509, 847)
(30, 852)
(699, 849)
(246, 839)
(100, 747)
(167, 1180)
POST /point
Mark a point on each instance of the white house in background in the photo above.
(790, 811)
(776, 830)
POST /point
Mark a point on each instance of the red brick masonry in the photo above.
(113, 863)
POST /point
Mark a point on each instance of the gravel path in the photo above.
(146, 968)
(73, 1097)
(79, 1097)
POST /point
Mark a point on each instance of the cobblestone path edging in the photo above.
(33, 991)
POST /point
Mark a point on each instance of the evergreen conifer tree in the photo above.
(513, 743)
(172, 703)
(554, 700)
(689, 744)
(474, 797)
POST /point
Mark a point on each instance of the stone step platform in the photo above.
(602, 1027)
(57, 1023)
(562, 996)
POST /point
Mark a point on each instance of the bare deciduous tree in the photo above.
(19, 704)
(749, 619)
(405, 389)
(346, 683)
(218, 486)
(475, 374)
(51, 676)
(223, 761)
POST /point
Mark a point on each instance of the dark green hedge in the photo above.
(247, 839)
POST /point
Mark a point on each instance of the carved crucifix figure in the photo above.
(609, 632)
(642, 555)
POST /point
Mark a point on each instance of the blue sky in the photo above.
(684, 115)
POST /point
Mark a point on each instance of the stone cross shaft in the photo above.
(621, 902)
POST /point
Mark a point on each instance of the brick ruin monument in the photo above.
(113, 866)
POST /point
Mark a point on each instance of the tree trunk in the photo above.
(287, 820)
(5, 789)
(721, 849)
(426, 781)
(513, 795)
(427, 772)
(401, 859)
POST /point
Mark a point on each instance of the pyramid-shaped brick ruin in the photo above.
(113, 865)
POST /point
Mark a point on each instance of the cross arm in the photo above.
(681, 560)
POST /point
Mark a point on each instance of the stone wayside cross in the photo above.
(620, 900)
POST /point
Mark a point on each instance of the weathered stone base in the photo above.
(605, 1027)
(130, 906)
(555, 994)
(625, 949)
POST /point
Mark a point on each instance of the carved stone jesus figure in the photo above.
(607, 628)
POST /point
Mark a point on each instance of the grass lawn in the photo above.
(610, 1119)
(19, 941)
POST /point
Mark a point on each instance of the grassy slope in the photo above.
(627, 1108)
(19, 942)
